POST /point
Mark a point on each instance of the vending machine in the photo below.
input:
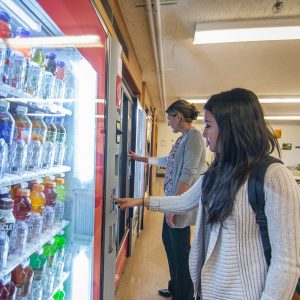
(58, 151)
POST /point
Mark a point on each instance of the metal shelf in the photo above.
(14, 260)
(11, 179)
(17, 96)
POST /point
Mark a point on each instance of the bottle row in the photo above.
(37, 277)
(27, 213)
(29, 143)
(31, 70)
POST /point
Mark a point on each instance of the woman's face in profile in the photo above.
(173, 122)
(211, 131)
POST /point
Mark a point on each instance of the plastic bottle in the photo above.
(35, 226)
(48, 78)
(7, 126)
(18, 238)
(60, 243)
(60, 141)
(7, 123)
(38, 198)
(49, 145)
(18, 61)
(50, 251)
(22, 205)
(7, 219)
(48, 218)
(38, 137)
(50, 193)
(22, 277)
(22, 137)
(60, 189)
(3, 157)
(34, 73)
(4, 245)
(59, 212)
(5, 32)
(59, 295)
(8, 289)
(58, 90)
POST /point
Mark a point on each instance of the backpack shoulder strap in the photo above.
(256, 197)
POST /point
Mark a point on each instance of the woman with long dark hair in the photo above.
(184, 164)
(227, 258)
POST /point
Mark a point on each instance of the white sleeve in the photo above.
(158, 161)
(178, 204)
(283, 214)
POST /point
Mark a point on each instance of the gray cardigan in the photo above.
(189, 164)
(234, 267)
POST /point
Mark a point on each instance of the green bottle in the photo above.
(60, 242)
(50, 251)
(59, 295)
(60, 189)
(38, 264)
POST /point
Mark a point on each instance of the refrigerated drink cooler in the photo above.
(55, 153)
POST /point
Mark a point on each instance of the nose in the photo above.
(204, 133)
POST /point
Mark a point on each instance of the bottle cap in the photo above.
(59, 241)
(49, 250)
(4, 16)
(22, 32)
(59, 120)
(60, 64)
(4, 104)
(21, 108)
(50, 55)
(23, 192)
(50, 184)
(37, 261)
(38, 187)
(59, 180)
(6, 203)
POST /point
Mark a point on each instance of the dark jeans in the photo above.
(177, 246)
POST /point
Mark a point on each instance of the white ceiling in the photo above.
(267, 68)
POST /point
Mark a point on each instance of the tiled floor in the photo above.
(146, 271)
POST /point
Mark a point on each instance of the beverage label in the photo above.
(22, 133)
(38, 134)
(47, 84)
(51, 136)
(17, 68)
(33, 76)
(61, 137)
(5, 72)
(6, 133)
(7, 221)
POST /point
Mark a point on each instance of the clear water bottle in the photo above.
(3, 157)
(48, 77)
(49, 145)
(60, 147)
(22, 137)
(59, 212)
(48, 218)
(34, 156)
(4, 245)
(35, 226)
(18, 238)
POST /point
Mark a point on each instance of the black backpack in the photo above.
(256, 197)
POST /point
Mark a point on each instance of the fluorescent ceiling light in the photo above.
(262, 100)
(247, 31)
(80, 41)
(282, 118)
(23, 18)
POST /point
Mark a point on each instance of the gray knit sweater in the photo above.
(234, 267)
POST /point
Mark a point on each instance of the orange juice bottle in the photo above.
(38, 199)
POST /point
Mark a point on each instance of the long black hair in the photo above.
(244, 139)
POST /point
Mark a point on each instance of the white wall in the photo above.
(290, 133)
